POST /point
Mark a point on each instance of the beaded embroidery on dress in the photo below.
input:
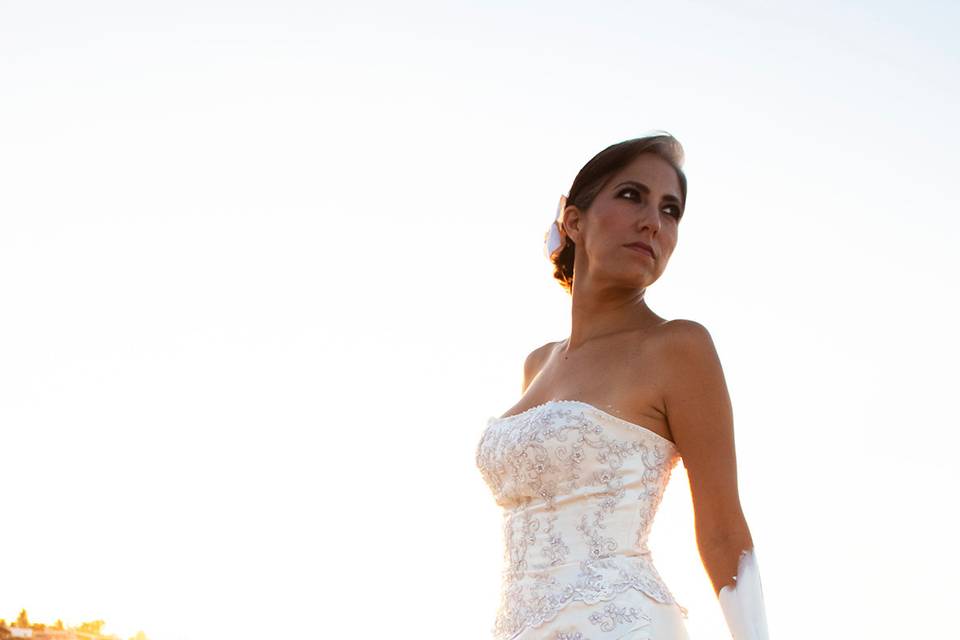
(579, 489)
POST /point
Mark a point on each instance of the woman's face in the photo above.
(640, 203)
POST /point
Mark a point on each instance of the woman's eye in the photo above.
(674, 209)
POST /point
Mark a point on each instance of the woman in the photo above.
(581, 462)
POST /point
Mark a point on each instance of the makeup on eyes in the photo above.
(642, 188)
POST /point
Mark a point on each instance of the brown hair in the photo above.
(594, 175)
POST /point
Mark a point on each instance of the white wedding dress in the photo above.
(579, 489)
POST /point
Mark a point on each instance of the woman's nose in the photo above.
(649, 217)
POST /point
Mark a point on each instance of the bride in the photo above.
(580, 463)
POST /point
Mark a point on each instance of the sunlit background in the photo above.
(267, 268)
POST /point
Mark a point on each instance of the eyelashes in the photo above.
(677, 213)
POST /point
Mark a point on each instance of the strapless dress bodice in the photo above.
(579, 489)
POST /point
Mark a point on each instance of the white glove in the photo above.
(742, 604)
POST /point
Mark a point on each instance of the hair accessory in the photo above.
(554, 240)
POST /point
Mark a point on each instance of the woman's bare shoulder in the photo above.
(682, 330)
(673, 342)
(535, 360)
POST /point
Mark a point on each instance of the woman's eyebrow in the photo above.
(646, 189)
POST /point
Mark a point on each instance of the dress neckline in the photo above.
(581, 403)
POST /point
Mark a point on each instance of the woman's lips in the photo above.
(640, 248)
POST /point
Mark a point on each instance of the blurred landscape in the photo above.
(23, 628)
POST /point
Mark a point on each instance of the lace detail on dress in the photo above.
(579, 490)
(612, 615)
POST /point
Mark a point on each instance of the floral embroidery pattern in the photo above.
(579, 490)
(555, 551)
(612, 615)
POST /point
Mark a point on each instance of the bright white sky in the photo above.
(267, 268)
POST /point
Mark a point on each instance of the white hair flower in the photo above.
(555, 239)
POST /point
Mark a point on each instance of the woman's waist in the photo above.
(577, 564)
(562, 538)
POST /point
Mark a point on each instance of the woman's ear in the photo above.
(571, 223)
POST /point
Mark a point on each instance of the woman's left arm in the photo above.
(700, 417)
